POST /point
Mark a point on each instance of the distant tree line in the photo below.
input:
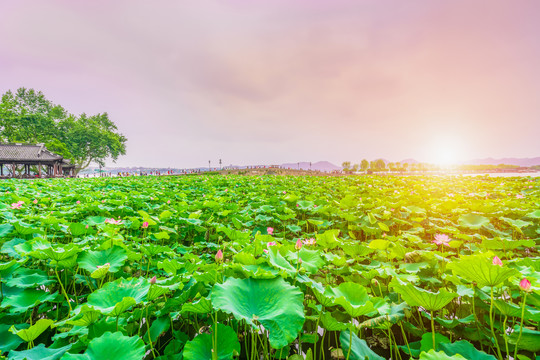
(27, 116)
(380, 165)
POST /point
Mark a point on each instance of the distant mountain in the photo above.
(319, 165)
(408, 161)
(507, 161)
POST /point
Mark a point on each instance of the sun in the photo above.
(445, 150)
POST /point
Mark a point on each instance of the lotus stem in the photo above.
(499, 355)
(63, 289)
(405, 338)
(350, 344)
(433, 329)
(520, 324)
(148, 332)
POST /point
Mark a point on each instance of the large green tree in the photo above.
(28, 116)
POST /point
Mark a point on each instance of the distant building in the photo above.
(30, 161)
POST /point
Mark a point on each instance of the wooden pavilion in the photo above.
(31, 161)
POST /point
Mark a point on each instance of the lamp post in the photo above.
(208, 165)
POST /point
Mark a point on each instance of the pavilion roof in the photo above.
(27, 153)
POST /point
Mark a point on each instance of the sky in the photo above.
(275, 81)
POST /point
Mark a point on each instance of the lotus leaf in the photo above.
(114, 256)
(430, 301)
(480, 269)
(31, 333)
(200, 348)
(432, 355)
(473, 221)
(40, 352)
(21, 301)
(116, 297)
(465, 349)
(359, 350)
(111, 346)
(274, 303)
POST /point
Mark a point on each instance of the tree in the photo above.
(346, 165)
(364, 165)
(355, 168)
(92, 139)
(27, 116)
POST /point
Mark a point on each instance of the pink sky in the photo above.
(285, 81)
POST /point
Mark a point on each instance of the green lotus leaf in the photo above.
(433, 355)
(473, 221)
(352, 297)
(114, 256)
(5, 229)
(430, 301)
(332, 324)
(328, 239)
(33, 331)
(389, 315)
(274, 303)
(278, 261)
(56, 253)
(530, 339)
(426, 343)
(311, 259)
(117, 296)
(26, 278)
(201, 306)
(7, 265)
(39, 352)
(200, 348)
(359, 350)
(85, 316)
(517, 224)
(111, 346)
(158, 327)
(465, 349)
(8, 340)
(21, 301)
(100, 272)
(534, 214)
(479, 269)
(157, 291)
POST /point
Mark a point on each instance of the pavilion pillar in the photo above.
(1, 169)
(39, 170)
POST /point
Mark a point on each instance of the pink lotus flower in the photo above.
(100, 266)
(145, 225)
(270, 230)
(168, 201)
(35, 201)
(441, 239)
(153, 280)
(103, 201)
(310, 241)
(271, 243)
(113, 222)
(297, 205)
(265, 251)
(497, 261)
(78, 202)
(298, 244)
(530, 186)
(525, 285)
(519, 196)
(86, 227)
(284, 192)
(17, 205)
(219, 256)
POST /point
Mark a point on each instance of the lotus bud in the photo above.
(298, 244)
(153, 280)
(270, 230)
(145, 224)
(525, 285)
(497, 261)
(219, 256)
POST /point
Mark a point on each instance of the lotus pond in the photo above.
(224, 267)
